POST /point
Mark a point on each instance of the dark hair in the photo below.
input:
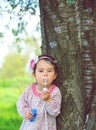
(49, 59)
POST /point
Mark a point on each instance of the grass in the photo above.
(10, 91)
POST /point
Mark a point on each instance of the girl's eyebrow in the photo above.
(47, 68)
(40, 68)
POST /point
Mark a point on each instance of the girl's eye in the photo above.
(50, 70)
(40, 70)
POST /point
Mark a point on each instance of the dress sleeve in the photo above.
(22, 103)
(53, 107)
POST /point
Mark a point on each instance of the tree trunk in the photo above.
(63, 35)
(88, 16)
(68, 33)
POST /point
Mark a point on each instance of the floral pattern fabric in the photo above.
(46, 112)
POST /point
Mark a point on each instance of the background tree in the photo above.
(60, 38)
(68, 33)
(12, 67)
(15, 61)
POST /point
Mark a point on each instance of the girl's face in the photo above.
(44, 69)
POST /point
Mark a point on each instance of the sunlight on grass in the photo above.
(9, 94)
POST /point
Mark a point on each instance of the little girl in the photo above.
(41, 101)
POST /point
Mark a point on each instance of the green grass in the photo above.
(10, 91)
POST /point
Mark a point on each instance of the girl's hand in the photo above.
(45, 96)
(28, 115)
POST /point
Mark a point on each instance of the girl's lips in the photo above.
(45, 79)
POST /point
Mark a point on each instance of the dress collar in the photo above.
(37, 92)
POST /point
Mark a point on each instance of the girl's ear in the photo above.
(55, 76)
(33, 75)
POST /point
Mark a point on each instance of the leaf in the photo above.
(1, 35)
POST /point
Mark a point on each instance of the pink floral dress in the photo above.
(46, 112)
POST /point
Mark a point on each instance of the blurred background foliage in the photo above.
(13, 77)
(13, 80)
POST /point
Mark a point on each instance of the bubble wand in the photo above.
(45, 79)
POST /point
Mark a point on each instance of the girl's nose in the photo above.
(45, 73)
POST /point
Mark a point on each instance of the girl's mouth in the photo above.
(45, 79)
